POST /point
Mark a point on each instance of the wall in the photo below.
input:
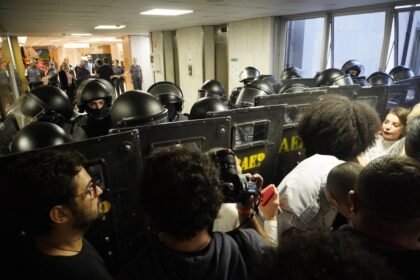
(157, 50)
(250, 43)
(209, 52)
(140, 49)
(190, 56)
(168, 55)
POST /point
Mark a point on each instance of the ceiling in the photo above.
(53, 19)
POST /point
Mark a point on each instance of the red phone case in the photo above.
(266, 194)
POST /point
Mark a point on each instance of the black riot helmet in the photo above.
(333, 76)
(272, 81)
(246, 97)
(38, 135)
(168, 93)
(47, 103)
(262, 85)
(291, 73)
(136, 108)
(293, 88)
(248, 74)
(206, 104)
(214, 88)
(354, 65)
(401, 73)
(170, 96)
(93, 89)
(380, 78)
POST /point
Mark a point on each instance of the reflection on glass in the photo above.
(372, 101)
(293, 113)
(250, 132)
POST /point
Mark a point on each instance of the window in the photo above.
(304, 45)
(408, 39)
(358, 37)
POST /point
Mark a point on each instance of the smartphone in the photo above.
(266, 194)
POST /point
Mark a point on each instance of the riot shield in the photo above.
(290, 100)
(115, 163)
(256, 134)
(348, 91)
(397, 94)
(291, 150)
(202, 134)
(413, 95)
(310, 82)
(376, 97)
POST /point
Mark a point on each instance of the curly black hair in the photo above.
(37, 182)
(338, 126)
(326, 256)
(180, 191)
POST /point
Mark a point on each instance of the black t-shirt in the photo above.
(86, 265)
(105, 72)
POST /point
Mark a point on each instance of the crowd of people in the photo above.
(349, 209)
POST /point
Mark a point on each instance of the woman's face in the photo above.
(392, 128)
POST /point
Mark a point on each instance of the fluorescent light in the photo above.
(101, 39)
(110, 26)
(22, 40)
(76, 45)
(166, 12)
(80, 34)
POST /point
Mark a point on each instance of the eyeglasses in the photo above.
(91, 189)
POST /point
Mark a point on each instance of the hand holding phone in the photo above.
(266, 194)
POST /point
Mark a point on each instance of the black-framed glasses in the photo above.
(91, 189)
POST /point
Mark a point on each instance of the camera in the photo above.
(236, 187)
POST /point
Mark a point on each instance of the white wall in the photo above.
(190, 54)
(140, 49)
(250, 43)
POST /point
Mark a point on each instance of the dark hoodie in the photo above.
(220, 260)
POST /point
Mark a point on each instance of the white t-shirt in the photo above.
(302, 200)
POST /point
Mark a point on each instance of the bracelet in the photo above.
(245, 211)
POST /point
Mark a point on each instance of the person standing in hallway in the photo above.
(136, 75)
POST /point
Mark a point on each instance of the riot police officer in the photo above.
(38, 135)
(213, 88)
(94, 97)
(206, 104)
(171, 98)
(51, 104)
(137, 108)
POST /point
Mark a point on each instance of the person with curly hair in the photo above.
(181, 194)
(333, 130)
(54, 202)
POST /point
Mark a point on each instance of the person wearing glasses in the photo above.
(57, 202)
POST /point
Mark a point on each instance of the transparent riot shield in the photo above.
(115, 163)
(256, 134)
